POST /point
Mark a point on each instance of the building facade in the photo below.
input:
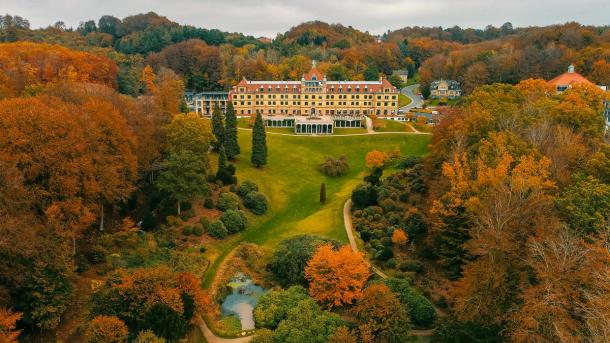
(203, 103)
(448, 89)
(313, 96)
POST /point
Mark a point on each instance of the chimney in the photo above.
(571, 68)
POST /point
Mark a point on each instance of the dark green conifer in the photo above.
(230, 134)
(218, 128)
(323, 193)
(259, 143)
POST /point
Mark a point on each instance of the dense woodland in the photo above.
(504, 226)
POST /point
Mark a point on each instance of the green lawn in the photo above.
(349, 130)
(292, 182)
(403, 100)
(393, 126)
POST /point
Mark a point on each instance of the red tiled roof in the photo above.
(568, 78)
(313, 72)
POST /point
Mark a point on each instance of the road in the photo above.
(416, 100)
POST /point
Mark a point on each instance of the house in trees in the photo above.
(323, 102)
(403, 74)
(447, 89)
(570, 78)
(203, 103)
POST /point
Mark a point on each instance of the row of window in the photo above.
(326, 112)
(328, 96)
(307, 103)
(313, 89)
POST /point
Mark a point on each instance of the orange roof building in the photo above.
(566, 80)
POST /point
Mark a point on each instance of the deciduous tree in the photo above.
(105, 329)
(337, 277)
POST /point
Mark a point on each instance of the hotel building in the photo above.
(314, 100)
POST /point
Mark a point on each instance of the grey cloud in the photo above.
(268, 17)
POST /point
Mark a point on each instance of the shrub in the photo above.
(234, 220)
(364, 195)
(204, 221)
(411, 266)
(186, 215)
(246, 187)
(391, 263)
(334, 166)
(187, 230)
(384, 253)
(228, 201)
(273, 306)
(208, 203)
(217, 230)
(409, 162)
(106, 329)
(198, 230)
(256, 202)
(420, 308)
(173, 221)
(147, 336)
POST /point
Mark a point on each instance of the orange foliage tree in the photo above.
(375, 159)
(399, 238)
(28, 66)
(381, 315)
(336, 277)
(8, 325)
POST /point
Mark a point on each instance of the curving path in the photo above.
(210, 337)
(347, 220)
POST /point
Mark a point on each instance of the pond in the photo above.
(242, 300)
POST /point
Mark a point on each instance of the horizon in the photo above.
(388, 15)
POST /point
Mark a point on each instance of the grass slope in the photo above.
(403, 100)
(393, 126)
(291, 181)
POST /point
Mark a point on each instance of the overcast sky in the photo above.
(268, 17)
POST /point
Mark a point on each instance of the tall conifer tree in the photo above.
(218, 128)
(323, 193)
(259, 143)
(230, 135)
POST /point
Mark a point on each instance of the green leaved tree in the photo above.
(184, 176)
(259, 143)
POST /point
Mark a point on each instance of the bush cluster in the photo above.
(256, 202)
